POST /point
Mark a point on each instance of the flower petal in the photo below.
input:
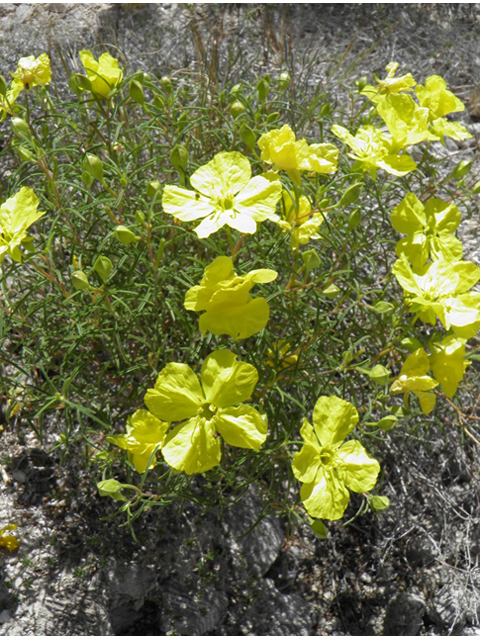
(333, 419)
(238, 321)
(177, 394)
(306, 461)
(358, 469)
(242, 426)
(225, 380)
(326, 497)
(184, 204)
(192, 447)
(259, 199)
(228, 171)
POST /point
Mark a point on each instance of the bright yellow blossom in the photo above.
(327, 465)
(145, 433)
(448, 362)
(225, 194)
(389, 85)
(413, 378)
(104, 75)
(280, 148)
(16, 215)
(302, 221)
(226, 299)
(31, 72)
(9, 542)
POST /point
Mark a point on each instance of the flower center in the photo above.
(207, 411)
(327, 456)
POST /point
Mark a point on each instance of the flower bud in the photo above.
(351, 194)
(3, 86)
(237, 108)
(236, 90)
(125, 235)
(379, 374)
(383, 308)
(21, 129)
(139, 217)
(94, 166)
(103, 267)
(311, 259)
(166, 84)
(284, 81)
(248, 137)
(354, 219)
(378, 503)
(412, 344)
(331, 292)
(25, 154)
(80, 281)
(461, 169)
(263, 87)
(153, 188)
(362, 83)
(387, 422)
(272, 117)
(179, 158)
(136, 92)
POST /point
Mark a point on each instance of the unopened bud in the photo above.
(94, 166)
(80, 281)
(125, 235)
(284, 80)
(179, 158)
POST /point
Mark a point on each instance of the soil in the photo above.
(410, 570)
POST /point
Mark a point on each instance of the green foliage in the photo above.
(161, 199)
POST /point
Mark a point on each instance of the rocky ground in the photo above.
(411, 570)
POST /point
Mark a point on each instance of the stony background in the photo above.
(413, 570)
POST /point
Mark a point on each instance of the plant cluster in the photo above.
(167, 202)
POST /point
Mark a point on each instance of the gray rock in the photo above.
(404, 615)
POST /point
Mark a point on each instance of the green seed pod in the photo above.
(136, 92)
(158, 101)
(87, 179)
(383, 308)
(379, 374)
(284, 81)
(154, 188)
(80, 281)
(272, 117)
(387, 422)
(323, 204)
(347, 356)
(94, 166)
(111, 488)
(182, 122)
(331, 291)
(25, 154)
(3, 86)
(237, 108)
(263, 88)
(139, 217)
(125, 235)
(21, 129)
(378, 503)
(166, 84)
(354, 219)
(324, 110)
(103, 267)
(236, 90)
(461, 169)
(351, 195)
(248, 137)
(362, 83)
(311, 259)
(179, 158)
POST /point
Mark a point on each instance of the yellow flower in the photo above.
(9, 542)
(145, 433)
(280, 148)
(280, 354)
(413, 378)
(104, 75)
(373, 149)
(31, 72)
(225, 194)
(230, 309)
(16, 215)
(302, 221)
(389, 85)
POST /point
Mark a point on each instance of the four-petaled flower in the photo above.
(16, 215)
(145, 433)
(226, 194)
(230, 309)
(326, 465)
(429, 230)
(104, 75)
(440, 289)
(280, 148)
(31, 72)
(413, 378)
(373, 149)
(300, 220)
(205, 410)
(389, 85)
